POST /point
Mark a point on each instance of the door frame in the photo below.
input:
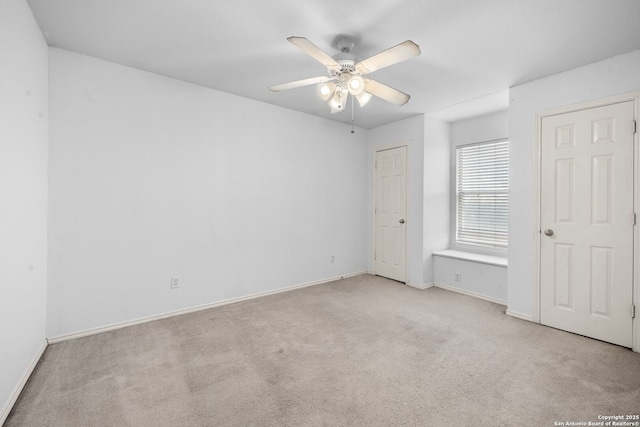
(376, 149)
(537, 157)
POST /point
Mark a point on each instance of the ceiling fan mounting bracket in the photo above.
(345, 45)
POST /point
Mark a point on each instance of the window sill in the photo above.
(474, 257)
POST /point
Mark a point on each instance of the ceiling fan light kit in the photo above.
(345, 74)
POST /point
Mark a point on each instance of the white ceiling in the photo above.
(472, 50)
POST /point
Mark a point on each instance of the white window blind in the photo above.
(482, 194)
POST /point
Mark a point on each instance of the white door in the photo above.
(391, 213)
(586, 220)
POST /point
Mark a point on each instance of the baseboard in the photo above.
(520, 316)
(139, 321)
(471, 294)
(13, 397)
(421, 287)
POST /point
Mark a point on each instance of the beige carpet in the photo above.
(364, 351)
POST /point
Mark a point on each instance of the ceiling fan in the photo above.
(346, 75)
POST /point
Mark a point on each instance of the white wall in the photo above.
(487, 127)
(23, 196)
(408, 132)
(479, 279)
(436, 194)
(152, 177)
(616, 75)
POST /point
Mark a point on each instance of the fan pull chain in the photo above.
(352, 131)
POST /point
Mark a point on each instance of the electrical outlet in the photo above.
(458, 277)
(175, 282)
(333, 259)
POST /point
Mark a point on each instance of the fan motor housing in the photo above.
(345, 45)
(347, 65)
(347, 62)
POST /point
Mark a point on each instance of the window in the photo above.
(482, 195)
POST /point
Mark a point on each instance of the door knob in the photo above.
(402, 221)
(548, 232)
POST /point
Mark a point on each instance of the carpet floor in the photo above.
(363, 351)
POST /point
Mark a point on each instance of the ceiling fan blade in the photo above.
(393, 55)
(385, 92)
(314, 51)
(300, 83)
